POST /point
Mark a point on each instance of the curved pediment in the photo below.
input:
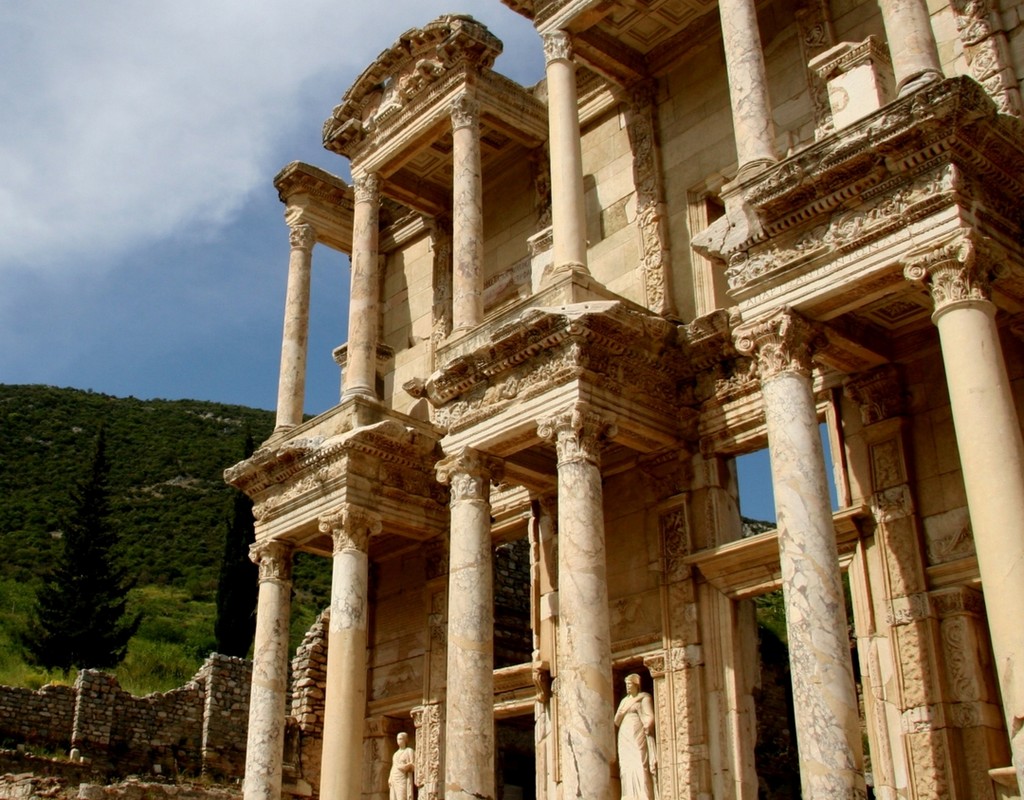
(419, 58)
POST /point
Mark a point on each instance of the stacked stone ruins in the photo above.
(573, 307)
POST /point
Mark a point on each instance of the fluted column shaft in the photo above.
(911, 42)
(568, 213)
(748, 86)
(469, 717)
(584, 695)
(264, 751)
(364, 300)
(291, 385)
(345, 700)
(991, 449)
(826, 713)
(467, 216)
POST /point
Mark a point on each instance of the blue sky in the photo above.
(143, 250)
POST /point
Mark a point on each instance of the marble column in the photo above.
(568, 213)
(915, 57)
(584, 671)
(345, 701)
(264, 750)
(824, 693)
(748, 87)
(364, 300)
(469, 713)
(291, 385)
(991, 449)
(467, 216)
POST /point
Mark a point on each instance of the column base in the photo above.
(912, 83)
(553, 274)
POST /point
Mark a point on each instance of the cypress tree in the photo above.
(81, 611)
(238, 585)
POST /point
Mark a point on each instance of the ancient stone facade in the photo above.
(573, 307)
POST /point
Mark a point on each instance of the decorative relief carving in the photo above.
(274, 560)
(958, 646)
(986, 51)
(949, 536)
(301, 236)
(366, 188)
(350, 527)
(577, 434)
(469, 473)
(955, 270)
(782, 342)
(465, 111)
(429, 723)
(655, 257)
(557, 46)
(907, 609)
(878, 393)
(892, 504)
(675, 538)
(886, 208)
(816, 36)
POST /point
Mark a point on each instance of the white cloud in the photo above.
(126, 122)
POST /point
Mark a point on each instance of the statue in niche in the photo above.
(403, 767)
(637, 752)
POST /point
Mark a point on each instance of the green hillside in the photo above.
(169, 504)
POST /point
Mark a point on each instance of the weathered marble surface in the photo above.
(467, 216)
(915, 58)
(364, 300)
(345, 703)
(265, 743)
(469, 731)
(291, 389)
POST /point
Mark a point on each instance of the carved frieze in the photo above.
(429, 722)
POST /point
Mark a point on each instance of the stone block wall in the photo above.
(197, 728)
(40, 717)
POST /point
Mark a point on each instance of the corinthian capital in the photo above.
(957, 269)
(350, 527)
(274, 560)
(557, 46)
(301, 236)
(783, 342)
(366, 188)
(465, 111)
(577, 433)
(469, 473)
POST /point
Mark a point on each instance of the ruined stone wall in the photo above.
(195, 728)
(40, 717)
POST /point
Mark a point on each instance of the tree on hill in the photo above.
(81, 611)
(237, 587)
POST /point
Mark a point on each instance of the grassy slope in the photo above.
(169, 503)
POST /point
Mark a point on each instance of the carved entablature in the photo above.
(316, 198)
(391, 463)
(633, 354)
(942, 146)
(421, 59)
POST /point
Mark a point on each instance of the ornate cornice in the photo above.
(274, 559)
(350, 528)
(783, 342)
(578, 434)
(958, 269)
